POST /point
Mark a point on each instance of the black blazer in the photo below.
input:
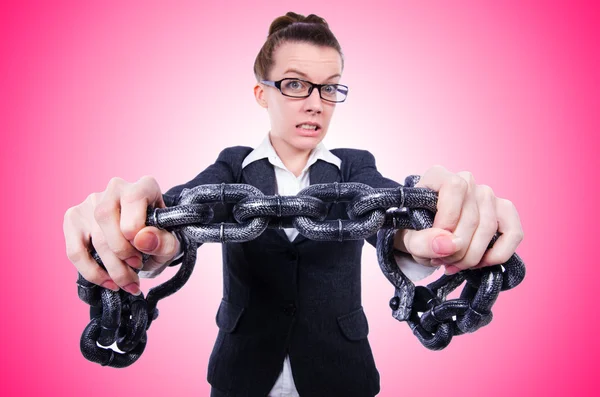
(301, 298)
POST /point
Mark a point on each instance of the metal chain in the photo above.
(433, 319)
(124, 318)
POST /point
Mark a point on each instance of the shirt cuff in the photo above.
(411, 268)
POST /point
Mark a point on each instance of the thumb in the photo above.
(431, 243)
(160, 243)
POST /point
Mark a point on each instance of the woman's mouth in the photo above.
(308, 129)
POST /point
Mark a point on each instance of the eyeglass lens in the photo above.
(299, 88)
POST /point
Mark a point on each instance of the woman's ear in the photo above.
(260, 95)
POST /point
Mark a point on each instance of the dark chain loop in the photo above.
(123, 318)
(441, 319)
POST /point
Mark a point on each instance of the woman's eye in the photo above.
(330, 89)
(295, 84)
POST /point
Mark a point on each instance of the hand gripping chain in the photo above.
(123, 318)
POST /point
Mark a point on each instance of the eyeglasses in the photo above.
(297, 88)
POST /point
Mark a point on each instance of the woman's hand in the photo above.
(468, 216)
(115, 221)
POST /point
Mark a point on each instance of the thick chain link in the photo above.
(124, 318)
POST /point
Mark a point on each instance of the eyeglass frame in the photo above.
(277, 84)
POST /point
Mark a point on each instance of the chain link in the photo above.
(124, 318)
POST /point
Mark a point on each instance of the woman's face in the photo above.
(307, 62)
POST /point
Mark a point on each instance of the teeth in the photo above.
(308, 127)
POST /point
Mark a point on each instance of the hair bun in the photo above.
(290, 18)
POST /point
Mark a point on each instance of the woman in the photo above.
(290, 303)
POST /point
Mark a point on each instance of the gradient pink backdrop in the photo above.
(506, 90)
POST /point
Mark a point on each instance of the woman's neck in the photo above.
(293, 159)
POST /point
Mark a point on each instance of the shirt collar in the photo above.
(265, 149)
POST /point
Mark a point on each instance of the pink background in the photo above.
(506, 90)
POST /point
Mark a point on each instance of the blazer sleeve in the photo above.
(219, 172)
(364, 170)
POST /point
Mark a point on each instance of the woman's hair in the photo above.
(293, 27)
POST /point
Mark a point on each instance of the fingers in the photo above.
(473, 214)
(161, 244)
(452, 191)
(77, 251)
(122, 274)
(420, 250)
(486, 228)
(468, 223)
(107, 215)
(457, 212)
(509, 224)
(399, 237)
(430, 243)
(134, 203)
(109, 222)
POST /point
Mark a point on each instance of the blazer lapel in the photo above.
(261, 174)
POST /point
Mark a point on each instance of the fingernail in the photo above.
(110, 285)
(133, 289)
(444, 245)
(134, 261)
(450, 270)
(151, 242)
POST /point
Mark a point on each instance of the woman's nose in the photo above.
(314, 102)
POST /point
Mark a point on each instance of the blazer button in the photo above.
(289, 309)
